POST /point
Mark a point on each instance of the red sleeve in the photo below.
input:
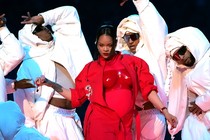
(145, 79)
(78, 95)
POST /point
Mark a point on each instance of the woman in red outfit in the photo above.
(111, 84)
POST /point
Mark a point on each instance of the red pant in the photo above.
(104, 124)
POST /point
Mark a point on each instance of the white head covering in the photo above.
(128, 24)
(191, 37)
(33, 27)
(27, 38)
(33, 45)
(173, 45)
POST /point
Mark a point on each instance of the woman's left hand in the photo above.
(170, 118)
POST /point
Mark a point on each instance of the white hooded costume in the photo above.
(190, 84)
(70, 51)
(11, 54)
(152, 30)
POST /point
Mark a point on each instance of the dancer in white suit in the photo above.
(60, 57)
(189, 92)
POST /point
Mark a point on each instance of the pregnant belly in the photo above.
(120, 100)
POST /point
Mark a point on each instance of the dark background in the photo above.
(177, 14)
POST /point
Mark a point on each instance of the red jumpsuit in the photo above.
(114, 86)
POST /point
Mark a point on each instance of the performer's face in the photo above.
(183, 56)
(105, 46)
(43, 33)
(132, 40)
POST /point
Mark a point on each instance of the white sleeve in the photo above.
(154, 30)
(11, 53)
(203, 101)
(64, 20)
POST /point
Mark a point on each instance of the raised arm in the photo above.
(58, 16)
(154, 29)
